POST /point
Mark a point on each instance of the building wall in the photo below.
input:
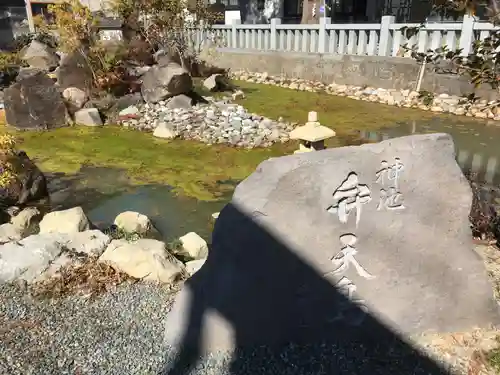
(340, 11)
(13, 21)
(95, 5)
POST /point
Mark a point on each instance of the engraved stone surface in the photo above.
(340, 244)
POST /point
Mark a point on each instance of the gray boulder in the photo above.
(40, 56)
(28, 72)
(113, 111)
(35, 103)
(355, 246)
(180, 101)
(28, 189)
(74, 71)
(165, 81)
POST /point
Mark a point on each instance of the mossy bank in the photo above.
(199, 170)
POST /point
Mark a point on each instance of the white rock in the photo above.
(67, 221)
(90, 242)
(129, 111)
(133, 222)
(9, 232)
(238, 95)
(194, 266)
(215, 215)
(30, 257)
(144, 259)
(88, 117)
(63, 260)
(26, 219)
(194, 246)
(211, 82)
(163, 131)
(75, 96)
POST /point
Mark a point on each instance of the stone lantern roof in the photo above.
(312, 131)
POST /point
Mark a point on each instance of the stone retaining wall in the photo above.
(375, 71)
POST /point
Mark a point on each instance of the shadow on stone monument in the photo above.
(280, 316)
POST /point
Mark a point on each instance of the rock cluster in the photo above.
(34, 247)
(218, 122)
(443, 103)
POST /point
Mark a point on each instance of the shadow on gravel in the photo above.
(282, 312)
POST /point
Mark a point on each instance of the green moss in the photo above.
(494, 359)
(195, 169)
(345, 116)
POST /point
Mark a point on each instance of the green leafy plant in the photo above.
(117, 233)
(24, 40)
(7, 166)
(493, 357)
(75, 27)
(171, 25)
(482, 64)
(8, 61)
(426, 97)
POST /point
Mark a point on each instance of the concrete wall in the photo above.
(95, 5)
(375, 71)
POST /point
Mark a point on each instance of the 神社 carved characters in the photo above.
(391, 172)
(390, 198)
(348, 196)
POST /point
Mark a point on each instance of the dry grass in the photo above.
(476, 352)
(88, 277)
(464, 352)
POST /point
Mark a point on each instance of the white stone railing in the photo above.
(367, 39)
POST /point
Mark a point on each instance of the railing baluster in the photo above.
(383, 39)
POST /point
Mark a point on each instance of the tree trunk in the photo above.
(307, 12)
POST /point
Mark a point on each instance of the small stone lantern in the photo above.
(312, 135)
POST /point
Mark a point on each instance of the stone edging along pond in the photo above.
(442, 103)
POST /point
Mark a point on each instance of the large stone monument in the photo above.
(358, 247)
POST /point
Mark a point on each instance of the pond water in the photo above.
(476, 144)
(104, 193)
(172, 215)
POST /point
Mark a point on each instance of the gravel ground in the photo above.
(121, 332)
(117, 333)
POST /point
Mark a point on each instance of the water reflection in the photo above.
(103, 193)
(171, 214)
(475, 144)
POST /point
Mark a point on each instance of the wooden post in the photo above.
(29, 14)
